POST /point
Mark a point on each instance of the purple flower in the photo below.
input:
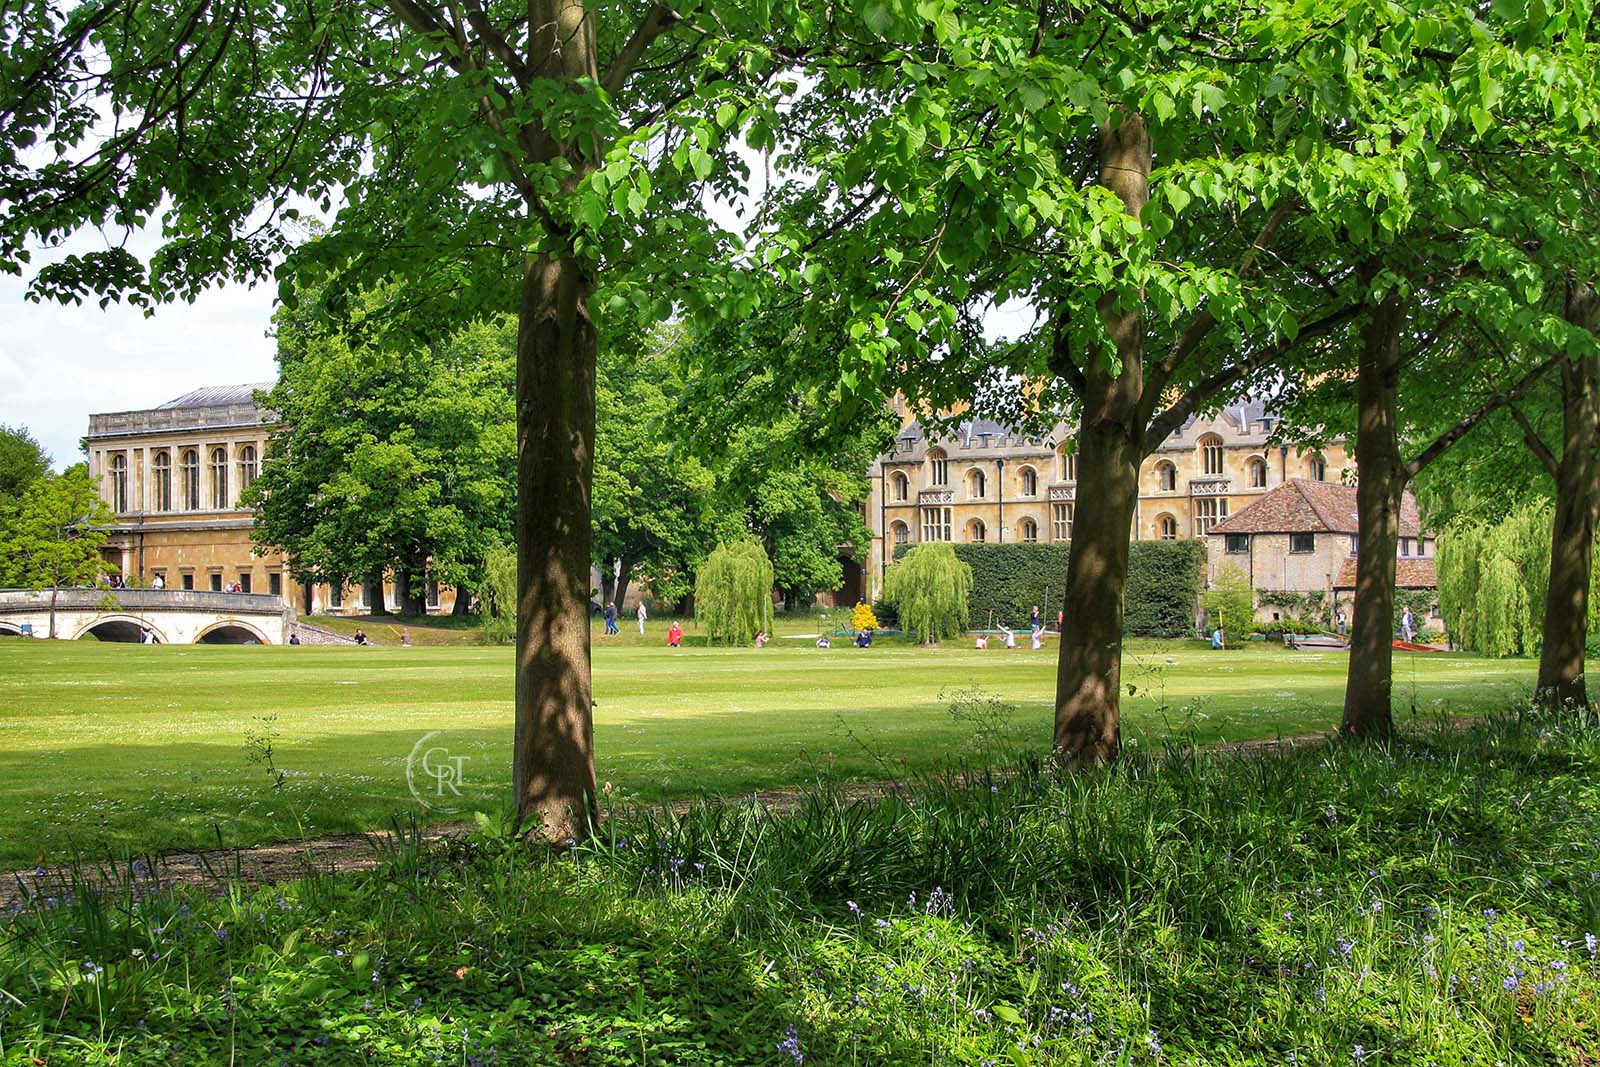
(1510, 983)
(790, 1046)
(855, 909)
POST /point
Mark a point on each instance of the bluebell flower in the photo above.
(790, 1046)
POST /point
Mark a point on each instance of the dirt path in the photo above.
(283, 861)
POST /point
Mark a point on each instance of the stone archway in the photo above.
(231, 632)
(118, 629)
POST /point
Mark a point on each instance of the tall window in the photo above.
(1166, 477)
(902, 533)
(977, 531)
(1211, 454)
(1258, 473)
(1069, 466)
(938, 469)
(119, 483)
(1030, 482)
(1062, 516)
(936, 524)
(219, 478)
(1208, 511)
(189, 474)
(900, 485)
(977, 485)
(1167, 527)
(161, 471)
(1028, 530)
(247, 467)
(1317, 468)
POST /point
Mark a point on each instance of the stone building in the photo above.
(986, 483)
(173, 474)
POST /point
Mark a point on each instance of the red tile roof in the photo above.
(1302, 506)
(1409, 573)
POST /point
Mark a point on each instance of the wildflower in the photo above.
(1510, 983)
(1591, 944)
(1359, 1054)
(1153, 1043)
(882, 924)
(855, 909)
(92, 970)
(222, 935)
(790, 1046)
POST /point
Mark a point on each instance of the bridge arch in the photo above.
(125, 629)
(9, 629)
(231, 632)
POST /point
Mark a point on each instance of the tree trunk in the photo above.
(375, 601)
(553, 747)
(1088, 726)
(1566, 612)
(624, 577)
(463, 602)
(608, 581)
(408, 594)
(55, 590)
(1368, 684)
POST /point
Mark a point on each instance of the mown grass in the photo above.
(116, 749)
(1431, 901)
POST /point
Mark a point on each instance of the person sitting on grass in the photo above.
(360, 637)
(823, 642)
(1011, 635)
(864, 638)
(674, 634)
(761, 638)
(1217, 639)
(982, 642)
(1038, 639)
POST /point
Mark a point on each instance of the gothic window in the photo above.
(1030, 482)
(902, 533)
(1069, 465)
(976, 531)
(1166, 477)
(248, 468)
(1211, 454)
(119, 483)
(219, 478)
(977, 485)
(1317, 468)
(161, 472)
(936, 524)
(938, 468)
(901, 484)
(1258, 473)
(1029, 530)
(190, 476)
(1062, 516)
(1167, 527)
(1208, 511)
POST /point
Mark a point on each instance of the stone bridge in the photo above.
(174, 616)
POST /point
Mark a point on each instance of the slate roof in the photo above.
(1304, 506)
(215, 396)
(1409, 573)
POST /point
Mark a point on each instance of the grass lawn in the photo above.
(114, 748)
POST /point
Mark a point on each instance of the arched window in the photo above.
(1317, 468)
(1211, 454)
(1030, 482)
(119, 483)
(1166, 477)
(977, 531)
(1258, 472)
(190, 476)
(1028, 529)
(938, 468)
(161, 472)
(901, 486)
(977, 485)
(247, 467)
(219, 478)
(1069, 465)
(1167, 528)
(902, 533)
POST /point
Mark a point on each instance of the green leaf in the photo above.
(726, 114)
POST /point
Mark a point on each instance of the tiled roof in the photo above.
(1409, 573)
(216, 395)
(1303, 506)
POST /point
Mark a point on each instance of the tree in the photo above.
(1493, 580)
(388, 455)
(497, 589)
(733, 593)
(1230, 602)
(928, 587)
(486, 158)
(54, 535)
(23, 461)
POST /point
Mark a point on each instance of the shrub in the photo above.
(733, 593)
(1159, 601)
(862, 618)
(929, 587)
(497, 591)
(1492, 582)
(1230, 602)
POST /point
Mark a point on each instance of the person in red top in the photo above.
(674, 634)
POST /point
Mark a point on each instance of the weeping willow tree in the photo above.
(733, 593)
(1492, 582)
(497, 592)
(929, 587)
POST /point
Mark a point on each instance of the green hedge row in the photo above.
(1007, 580)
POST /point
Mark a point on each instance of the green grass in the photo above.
(109, 748)
(1433, 901)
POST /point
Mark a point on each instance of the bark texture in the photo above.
(1110, 444)
(1577, 476)
(553, 747)
(1369, 683)
(374, 592)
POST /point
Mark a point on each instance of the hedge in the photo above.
(1162, 592)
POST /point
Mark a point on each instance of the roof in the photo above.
(1409, 573)
(216, 395)
(1303, 506)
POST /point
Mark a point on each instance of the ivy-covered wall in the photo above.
(1008, 580)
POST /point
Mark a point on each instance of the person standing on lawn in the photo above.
(642, 616)
(611, 617)
(1408, 626)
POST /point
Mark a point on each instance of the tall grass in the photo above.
(1432, 900)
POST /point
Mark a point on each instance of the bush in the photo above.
(862, 618)
(1008, 580)
(930, 587)
(1230, 602)
(733, 593)
(497, 592)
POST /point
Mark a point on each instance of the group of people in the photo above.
(611, 618)
(1009, 636)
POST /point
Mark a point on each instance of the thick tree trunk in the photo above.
(624, 577)
(410, 595)
(553, 748)
(1566, 613)
(608, 581)
(374, 588)
(1369, 682)
(1088, 725)
(463, 601)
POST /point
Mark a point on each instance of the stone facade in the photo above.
(173, 474)
(987, 483)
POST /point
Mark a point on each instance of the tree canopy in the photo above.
(23, 461)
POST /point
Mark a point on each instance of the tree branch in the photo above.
(658, 20)
(1442, 443)
(1061, 363)
(1536, 445)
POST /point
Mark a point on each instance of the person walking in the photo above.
(642, 616)
(1408, 626)
(1341, 624)
(611, 617)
